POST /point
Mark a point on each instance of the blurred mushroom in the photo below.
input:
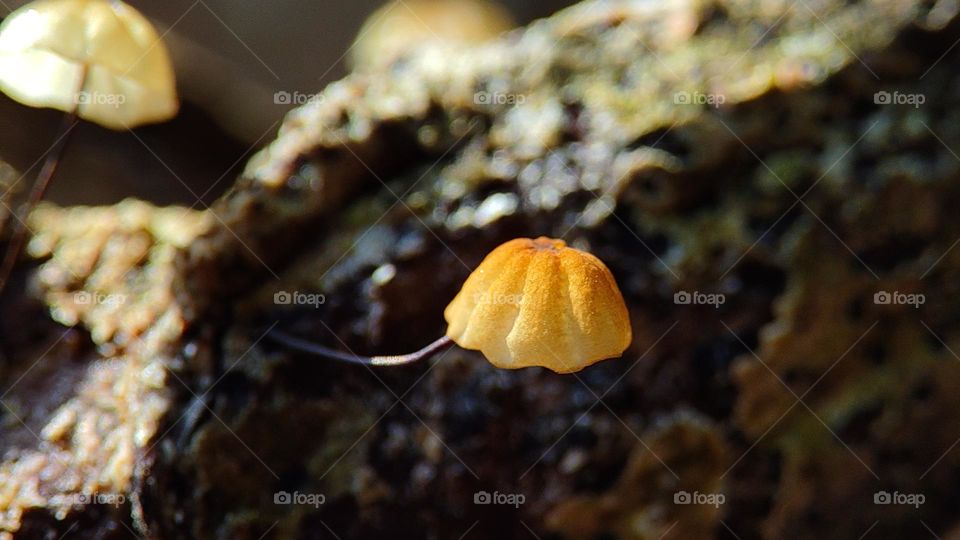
(401, 25)
(529, 303)
(99, 60)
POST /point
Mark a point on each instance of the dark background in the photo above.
(230, 57)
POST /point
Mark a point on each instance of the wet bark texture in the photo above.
(734, 148)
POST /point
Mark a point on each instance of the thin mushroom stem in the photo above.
(395, 360)
(20, 231)
(19, 236)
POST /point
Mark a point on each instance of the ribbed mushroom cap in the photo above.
(45, 46)
(540, 303)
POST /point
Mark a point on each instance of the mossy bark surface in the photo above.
(759, 154)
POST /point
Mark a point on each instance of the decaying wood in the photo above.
(711, 148)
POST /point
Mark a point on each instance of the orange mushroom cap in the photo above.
(540, 303)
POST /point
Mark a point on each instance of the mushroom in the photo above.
(529, 303)
(100, 60)
(402, 25)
